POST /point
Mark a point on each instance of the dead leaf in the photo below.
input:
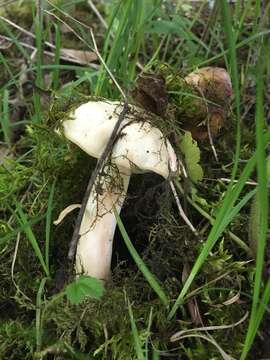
(82, 56)
(151, 93)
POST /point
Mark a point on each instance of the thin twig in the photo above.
(252, 183)
(179, 334)
(12, 271)
(28, 33)
(51, 54)
(181, 211)
(95, 49)
(106, 67)
(211, 220)
(98, 14)
(107, 150)
(211, 139)
(100, 164)
(103, 22)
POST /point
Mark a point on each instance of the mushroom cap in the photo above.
(213, 80)
(90, 125)
(140, 147)
(143, 148)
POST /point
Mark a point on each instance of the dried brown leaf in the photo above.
(82, 56)
(151, 93)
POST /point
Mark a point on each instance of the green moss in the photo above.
(166, 246)
(17, 340)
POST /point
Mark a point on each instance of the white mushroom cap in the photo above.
(142, 146)
(90, 125)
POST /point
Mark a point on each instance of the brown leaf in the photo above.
(151, 93)
(82, 56)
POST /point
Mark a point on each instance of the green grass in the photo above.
(5, 123)
(140, 263)
(263, 220)
(48, 228)
(22, 219)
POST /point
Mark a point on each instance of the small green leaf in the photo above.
(84, 286)
(191, 151)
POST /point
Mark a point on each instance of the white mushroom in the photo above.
(140, 147)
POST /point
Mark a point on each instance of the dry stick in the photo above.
(211, 139)
(100, 163)
(98, 14)
(181, 211)
(94, 43)
(208, 125)
(103, 22)
(45, 52)
(26, 32)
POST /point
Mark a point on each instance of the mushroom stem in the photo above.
(94, 250)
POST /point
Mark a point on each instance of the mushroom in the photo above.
(213, 85)
(140, 147)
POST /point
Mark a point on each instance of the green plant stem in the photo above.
(139, 262)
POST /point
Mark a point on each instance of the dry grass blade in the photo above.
(224, 355)
(181, 210)
(84, 42)
(65, 212)
(28, 300)
(177, 336)
(82, 56)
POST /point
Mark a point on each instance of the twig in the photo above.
(106, 152)
(181, 211)
(252, 183)
(98, 14)
(211, 139)
(179, 334)
(105, 65)
(211, 220)
(103, 22)
(28, 33)
(100, 163)
(12, 271)
(95, 49)
(51, 54)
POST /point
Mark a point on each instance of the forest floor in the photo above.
(179, 293)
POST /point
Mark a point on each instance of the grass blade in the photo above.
(56, 71)
(135, 334)
(31, 237)
(5, 119)
(139, 262)
(231, 196)
(48, 225)
(263, 221)
(222, 220)
(38, 314)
